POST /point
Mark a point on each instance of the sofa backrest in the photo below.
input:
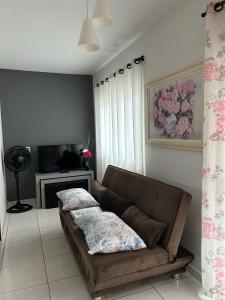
(158, 200)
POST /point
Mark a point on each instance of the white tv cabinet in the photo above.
(43, 179)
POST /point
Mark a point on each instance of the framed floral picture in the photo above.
(174, 110)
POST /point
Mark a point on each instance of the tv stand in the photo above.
(47, 184)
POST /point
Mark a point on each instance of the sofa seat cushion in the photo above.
(109, 266)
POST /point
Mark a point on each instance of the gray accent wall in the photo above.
(43, 109)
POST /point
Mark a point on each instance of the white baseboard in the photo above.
(31, 201)
(195, 272)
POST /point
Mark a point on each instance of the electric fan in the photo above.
(18, 159)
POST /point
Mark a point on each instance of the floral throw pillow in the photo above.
(84, 213)
(107, 233)
(76, 198)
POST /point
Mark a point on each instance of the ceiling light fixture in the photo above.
(103, 13)
(88, 41)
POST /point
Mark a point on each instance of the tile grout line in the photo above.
(22, 289)
(133, 293)
(164, 283)
(44, 258)
(69, 276)
(159, 294)
(20, 264)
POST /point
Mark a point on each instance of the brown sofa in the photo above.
(162, 202)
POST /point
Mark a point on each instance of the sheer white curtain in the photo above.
(119, 120)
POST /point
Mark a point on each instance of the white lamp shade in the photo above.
(88, 41)
(103, 13)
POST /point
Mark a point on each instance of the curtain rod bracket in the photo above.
(219, 6)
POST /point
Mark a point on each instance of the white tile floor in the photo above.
(37, 263)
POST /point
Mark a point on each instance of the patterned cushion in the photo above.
(85, 212)
(76, 199)
(107, 233)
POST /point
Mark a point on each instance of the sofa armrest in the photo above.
(178, 228)
(98, 190)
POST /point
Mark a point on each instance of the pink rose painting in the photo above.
(174, 106)
(173, 110)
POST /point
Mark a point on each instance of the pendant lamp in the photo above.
(103, 13)
(88, 41)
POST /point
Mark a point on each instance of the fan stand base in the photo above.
(19, 208)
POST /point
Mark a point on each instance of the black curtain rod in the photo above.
(219, 6)
(136, 61)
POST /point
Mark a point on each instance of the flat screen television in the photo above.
(59, 158)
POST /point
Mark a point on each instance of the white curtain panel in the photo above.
(213, 212)
(119, 120)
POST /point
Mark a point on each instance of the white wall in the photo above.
(174, 42)
(2, 182)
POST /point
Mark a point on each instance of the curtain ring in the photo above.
(114, 74)
(121, 71)
(219, 6)
(102, 82)
(97, 84)
(129, 66)
(137, 61)
(107, 79)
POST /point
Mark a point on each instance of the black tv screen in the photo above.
(59, 158)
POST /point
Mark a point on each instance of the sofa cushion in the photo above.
(114, 203)
(76, 198)
(105, 232)
(84, 212)
(148, 229)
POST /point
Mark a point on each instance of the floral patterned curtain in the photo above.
(213, 212)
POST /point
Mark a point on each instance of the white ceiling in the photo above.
(42, 35)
